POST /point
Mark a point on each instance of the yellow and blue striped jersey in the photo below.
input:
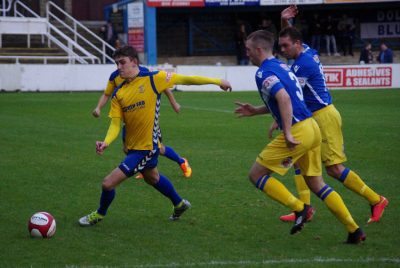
(137, 103)
(115, 80)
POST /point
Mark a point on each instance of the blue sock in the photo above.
(165, 187)
(105, 201)
(171, 154)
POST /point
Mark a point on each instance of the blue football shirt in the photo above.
(274, 75)
(309, 71)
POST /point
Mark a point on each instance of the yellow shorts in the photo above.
(330, 124)
(277, 157)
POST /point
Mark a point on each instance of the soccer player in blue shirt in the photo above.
(114, 80)
(136, 102)
(308, 69)
(299, 142)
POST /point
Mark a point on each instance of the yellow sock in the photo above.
(302, 189)
(336, 205)
(356, 184)
(277, 191)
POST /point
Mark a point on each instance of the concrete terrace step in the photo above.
(31, 51)
(22, 41)
(199, 60)
(33, 61)
(231, 60)
(354, 60)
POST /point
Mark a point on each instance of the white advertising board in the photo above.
(135, 15)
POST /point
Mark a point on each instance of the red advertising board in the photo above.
(136, 38)
(359, 77)
(175, 3)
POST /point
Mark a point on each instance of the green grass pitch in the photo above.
(48, 163)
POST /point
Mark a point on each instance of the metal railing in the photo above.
(70, 46)
(5, 8)
(74, 30)
(17, 13)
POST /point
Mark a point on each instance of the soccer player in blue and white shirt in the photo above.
(299, 142)
(308, 69)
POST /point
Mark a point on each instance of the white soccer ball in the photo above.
(42, 224)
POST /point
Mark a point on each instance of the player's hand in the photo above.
(291, 142)
(96, 112)
(100, 147)
(225, 85)
(274, 126)
(245, 109)
(289, 12)
(177, 107)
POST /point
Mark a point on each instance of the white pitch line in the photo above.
(243, 263)
(266, 262)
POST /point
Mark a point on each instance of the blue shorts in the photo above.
(136, 161)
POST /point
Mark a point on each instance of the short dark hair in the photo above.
(126, 51)
(263, 38)
(292, 32)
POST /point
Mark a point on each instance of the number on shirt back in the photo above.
(299, 91)
(321, 70)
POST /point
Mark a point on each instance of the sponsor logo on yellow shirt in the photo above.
(133, 107)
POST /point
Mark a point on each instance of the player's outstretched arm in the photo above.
(287, 14)
(225, 85)
(112, 134)
(202, 80)
(246, 109)
(102, 101)
(175, 105)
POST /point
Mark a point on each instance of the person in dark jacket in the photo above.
(366, 55)
(386, 54)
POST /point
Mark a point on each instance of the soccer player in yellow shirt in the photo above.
(136, 102)
(114, 80)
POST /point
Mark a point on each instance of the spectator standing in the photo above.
(241, 36)
(316, 31)
(268, 25)
(385, 55)
(117, 44)
(329, 30)
(366, 55)
(109, 35)
(346, 28)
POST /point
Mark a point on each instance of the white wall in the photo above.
(241, 78)
(57, 77)
(54, 77)
(18, 25)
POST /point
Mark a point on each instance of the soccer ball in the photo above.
(42, 224)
